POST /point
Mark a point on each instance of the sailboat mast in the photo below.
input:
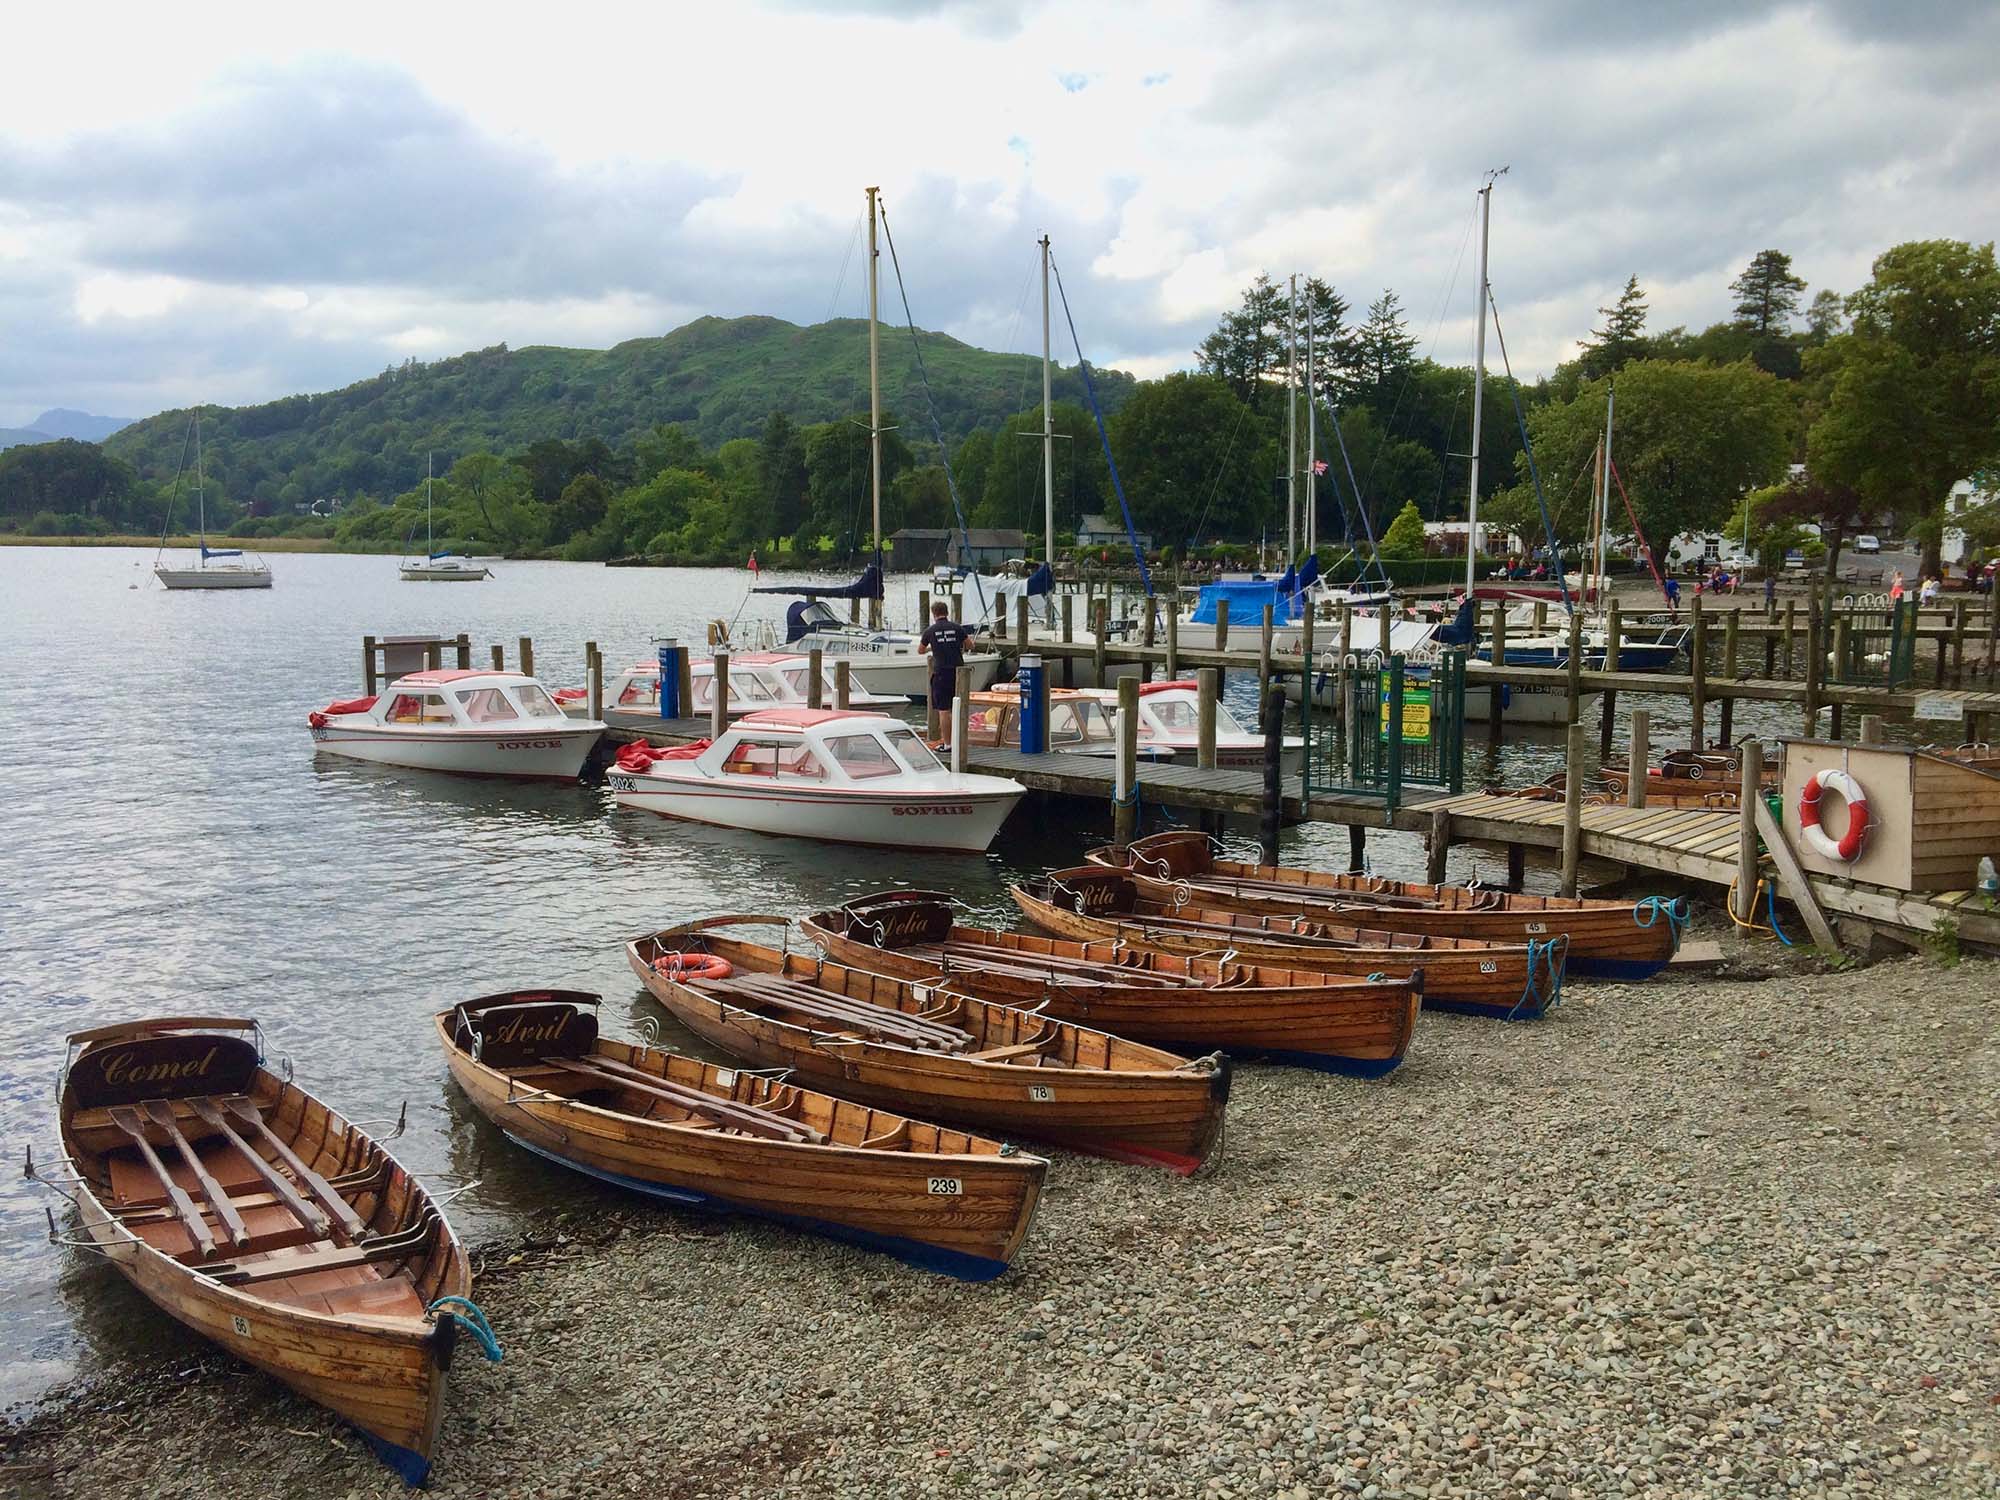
(200, 497)
(430, 540)
(1312, 440)
(874, 400)
(1604, 506)
(1048, 426)
(1292, 423)
(1478, 396)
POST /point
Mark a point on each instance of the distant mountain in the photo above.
(16, 437)
(60, 422)
(720, 376)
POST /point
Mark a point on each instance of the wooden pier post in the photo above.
(961, 697)
(854, 611)
(816, 684)
(1124, 794)
(433, 655)
(1698, 680)
(1272, 716)
(1173, 645)
(1517, 867)
(1728, 708)
(1871, 729)
(499, 657)
(1993, 635)
(686, 674)
(718, 708)
(1357, 849)
(1498, 690)
(368, 665)
(1346, 630)
(1021, 620)
(1382, 644)
(1638, 758)
(1573, 664)
(923, 609)
(527, 657)
(1815, 666)
(1439, 846)
(1222, 624)
(1613, 627)
(1744, 900)
(1147, 632)
(1791, 626)
(1572, 850)
(843, 683)
(1100, 616)
(1541, 617)
(593, 662)
(464, 644)
(1264, 657)
(1069, 638)
(1206, 691)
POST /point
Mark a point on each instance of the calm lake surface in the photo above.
(170, 844)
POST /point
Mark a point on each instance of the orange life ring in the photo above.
(1849, 847)
(686, 966)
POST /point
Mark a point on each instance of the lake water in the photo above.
(170, 844)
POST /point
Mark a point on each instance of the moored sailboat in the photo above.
(212, 568)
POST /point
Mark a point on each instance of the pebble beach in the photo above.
(1732, 1233)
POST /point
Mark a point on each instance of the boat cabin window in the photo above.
(1177, 715)
(535, 701)
(913, 750)
(1227, 722)
(862, 756)
(783, 760)
(420, 708)
(486, 706)
(1066, 724)
(641, 690)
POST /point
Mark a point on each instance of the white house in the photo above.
(1967, 493)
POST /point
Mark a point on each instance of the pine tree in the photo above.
(1622, 339)
(1336, 361)
(1825, 317)
(1386, 346)
(1248, 345)
(1767, 294)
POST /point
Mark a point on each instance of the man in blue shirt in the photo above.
(944, 642)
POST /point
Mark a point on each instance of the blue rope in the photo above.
(1650, 909)
(1543, 958)
(930, 406)
(471, 1319)
(1771, 910)
(1104, 437)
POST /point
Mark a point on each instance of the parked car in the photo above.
(1868, 544)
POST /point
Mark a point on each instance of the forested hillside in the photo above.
(718, 378)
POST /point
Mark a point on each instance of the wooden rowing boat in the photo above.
(1607, 939)
(240, 1205)
(932, 1051)
(1333, 1023)
(689, 1132)
(1514, 981)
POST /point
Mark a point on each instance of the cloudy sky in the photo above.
(235, 203)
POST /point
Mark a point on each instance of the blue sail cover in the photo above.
(1247, 598)
(208, 552)
(867, 586)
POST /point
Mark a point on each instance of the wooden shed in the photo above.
(1930, 817)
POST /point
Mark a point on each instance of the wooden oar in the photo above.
(322, 1191)
(190, 1216)
(161, 1114)
(725, 1112)
(279, 1184)
(827, 1006)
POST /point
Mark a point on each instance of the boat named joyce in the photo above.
(477, 723)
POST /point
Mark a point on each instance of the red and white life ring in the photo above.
(1857, 816)
(694, 966)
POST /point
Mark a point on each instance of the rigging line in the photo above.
(1360, 505)
(1104, 437)
(166, 524)
(1221, 469)
(1534, 471)
(1638, 531)
(1430, 354)
(930, 405)
(846, 260)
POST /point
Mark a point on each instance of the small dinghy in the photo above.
(1514, 981)
(474, 723)
(1333, 1022)
(243, 1207)
(689, 1132)
(925, 1048)
(1607, 939)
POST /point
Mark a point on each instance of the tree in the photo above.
(488, 499)
(781, 471)
(1767, 295)
(1248, 345)
(1622, 339)
(1914, 385)
(1690, 439)
(1328, 353)
(1825, 317)
(1176, 454)
(1012, 493)
(1405, 536)
(1384, 347)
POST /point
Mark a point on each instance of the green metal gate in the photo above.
(1387, 725)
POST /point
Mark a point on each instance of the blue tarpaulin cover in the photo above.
(1247, 598)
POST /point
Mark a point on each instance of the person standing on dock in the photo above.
(1770, 589)
(1672, 588)
(943, 641)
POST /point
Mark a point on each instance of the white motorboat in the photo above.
(884, 662)
(211, 567)
(1170, 723)
(478, 723)
(1078, 723)
(757, 680)
(841, 775)
(441, 567)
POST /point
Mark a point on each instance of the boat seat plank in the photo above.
(280, 1267)
(724, 1112)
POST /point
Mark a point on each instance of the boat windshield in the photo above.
(535, 701)
(862, 756)
(781, 759)
(420, 708)
(641, 689)
(486, 706)
(913, 750)
(1177, 715)
(1067, 724)
(1227, 722)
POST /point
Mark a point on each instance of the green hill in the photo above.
(721, 377)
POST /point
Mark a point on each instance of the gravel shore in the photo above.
(1733, 1234)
